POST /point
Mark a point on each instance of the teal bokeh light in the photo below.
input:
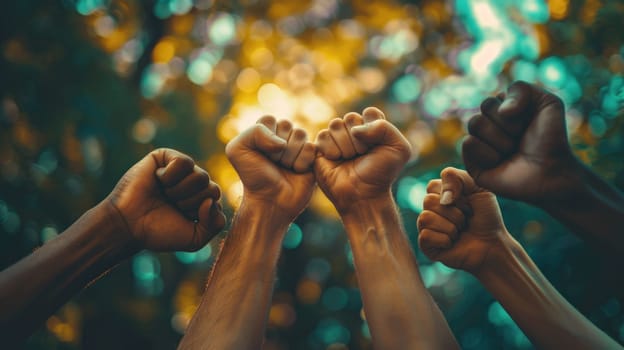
(406, 89)
(223, 29)
(146, 266)
(331, 331)
(199, 256)
(335, 298)
(293, 237)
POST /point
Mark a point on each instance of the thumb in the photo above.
(172, 166)
(257, 138)
(382, 132)
(265, 140)
(455, 183)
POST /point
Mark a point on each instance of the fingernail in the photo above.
(446, 198)
(160, 172)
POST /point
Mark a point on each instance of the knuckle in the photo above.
(447, 171)
(431, 200)
(284, 124)
(475, 123)
(202, 176)
(432, 184)
(424, 238)
(300, 134)
(488, 103)
(425, 218)
(268, 119)
(553, 100)
(335, 123)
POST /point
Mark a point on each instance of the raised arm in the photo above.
(361, 158)
(273, 161)
(468, 233)
(518, 148)
(164, 202)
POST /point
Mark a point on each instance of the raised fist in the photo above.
(518, 147)
(168, 203)
(461, 224)
(360, 157)
(274, 161)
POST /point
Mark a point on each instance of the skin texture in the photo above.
(518, 148)
(469, 234)
(144, 211)
(274, 162)
(360, 157)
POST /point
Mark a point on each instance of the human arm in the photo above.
(518, 148)
(144, 210)
(468, 233)
(361, 157)
(273, 161)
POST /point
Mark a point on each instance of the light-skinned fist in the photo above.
(274, 161)
(465, 230)
(359, 158)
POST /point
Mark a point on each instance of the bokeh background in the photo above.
(87, 87)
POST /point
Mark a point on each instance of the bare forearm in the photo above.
(234, 308)
(399, 309)
(37, 285)
(594, 210)
(547, 319)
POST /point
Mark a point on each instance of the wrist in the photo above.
(256, 234)
(364, 207)
(267, 221)
(113, 228)
(272, 207)
(573, 178)
(374, 226)
(499, 258)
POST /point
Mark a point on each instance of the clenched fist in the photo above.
(360, 157)
(518, 147)
(168, 203)
(274, 161)
(461, 224)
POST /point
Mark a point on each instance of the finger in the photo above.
(434, 186)
(268, 121)
(456, 183)
(217, 217)
(338, 131)
(429, 240)
(518, 108)
(451, 213)
(433, 221)
(371, 114)
(283, 130)
(258, 137)
(212, 191)
(478, 156)
(190, 185)
(305, 159)
(192, 213)
(487, 131)
(175, 166)
(381, 132)
(352, 119)
(490, 105)
(298, 138)
(210, 220)
(326, 145)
